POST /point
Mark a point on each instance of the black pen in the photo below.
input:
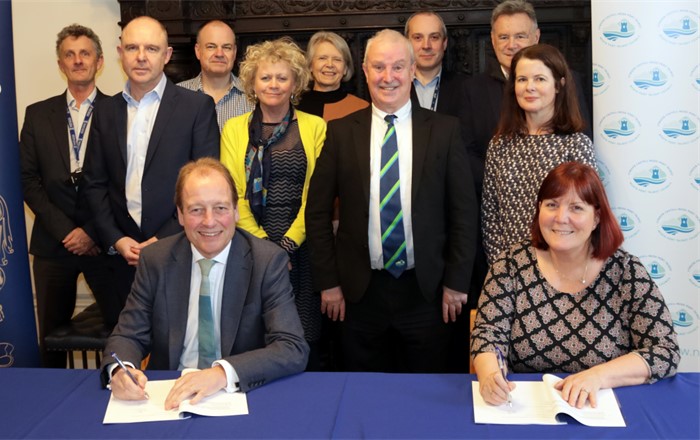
(128, 373)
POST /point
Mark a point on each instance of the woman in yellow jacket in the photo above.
(271, 153)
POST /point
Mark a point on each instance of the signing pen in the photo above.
(504, 371)
(128, 373)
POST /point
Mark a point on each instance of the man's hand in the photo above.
(124, 388)
(123, 246)
(199, 384)
(333, 303)
(137, 248)
(78, 242)
(452, 302)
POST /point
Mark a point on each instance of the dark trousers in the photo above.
(56, 279)
(394, 329)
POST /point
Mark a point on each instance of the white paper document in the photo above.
(153, 409)
(538, 403)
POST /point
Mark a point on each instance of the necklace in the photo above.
(583, 276)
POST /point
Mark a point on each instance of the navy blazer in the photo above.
(45, 163)
(261, 334)
(185, 129)
(443, 206)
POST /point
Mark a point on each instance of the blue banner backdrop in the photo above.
(18, 340)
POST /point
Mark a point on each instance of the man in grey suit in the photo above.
(52, 150)
(254, 331)
(140, 138)
(399, 269)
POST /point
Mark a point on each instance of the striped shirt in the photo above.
(234, 103)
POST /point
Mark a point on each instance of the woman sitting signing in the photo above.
(570, 300)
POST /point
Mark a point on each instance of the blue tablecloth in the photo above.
(38, 403)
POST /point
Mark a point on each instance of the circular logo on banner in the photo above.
(619, 30)
(695, 77)
(678, 224)
(685, 318)
(628, 221)
(679, 27)
(679, 127)
(694, 273)
(650, 176)
(603, 173)
(695, 177)
(2, 278)
(658, 268)
(601, 79)
(620, 127)
(650, 78)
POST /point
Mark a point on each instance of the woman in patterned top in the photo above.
(540, 127)
(271, 153)
(570, 300)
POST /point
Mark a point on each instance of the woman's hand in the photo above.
(494, 388)
(580, 387)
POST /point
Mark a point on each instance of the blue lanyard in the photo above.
(433, 104)
(77, 143)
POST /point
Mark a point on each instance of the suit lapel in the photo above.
(59, 127)
(120, 117)
(361, 130)
(177, 293)
(236, 282)
(421, 121)
(167, 105)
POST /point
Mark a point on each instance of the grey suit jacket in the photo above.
(45, 160)
(261, 334)
(443, 206)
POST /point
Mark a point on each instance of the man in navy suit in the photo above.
(52, 151)
(140, 139)
(250, 332)
(393, 293)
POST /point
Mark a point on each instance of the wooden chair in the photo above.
(472, 320)
(86, 332)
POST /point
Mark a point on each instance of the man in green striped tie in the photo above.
(399, 269)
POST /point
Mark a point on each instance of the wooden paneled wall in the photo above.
(565, 24)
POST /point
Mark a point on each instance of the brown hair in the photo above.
(203, 167)
(567, 115)
(607, 236)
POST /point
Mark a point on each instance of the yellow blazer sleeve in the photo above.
(312, 130)
(234, 142)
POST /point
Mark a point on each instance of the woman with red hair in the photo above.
(570, 300)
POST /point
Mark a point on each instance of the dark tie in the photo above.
(393, 239)
(207, 341)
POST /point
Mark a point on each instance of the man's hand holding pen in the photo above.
(126, 388)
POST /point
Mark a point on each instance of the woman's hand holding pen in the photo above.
(124, 388)
(493, 387)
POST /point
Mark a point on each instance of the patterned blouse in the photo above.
(514, 171)
(540, 329)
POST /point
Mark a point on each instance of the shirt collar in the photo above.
(235, 83)
(432, 82)
(221, 257)
(157, 90)
(70, 100)
(401, 114)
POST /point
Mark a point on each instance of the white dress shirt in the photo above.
(190, 351)
(404, 137)
(141, 118)
(78, 116)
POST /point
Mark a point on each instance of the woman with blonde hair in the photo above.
(271, 153)
(331, 64)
